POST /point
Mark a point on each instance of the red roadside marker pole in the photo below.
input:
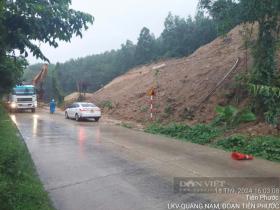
(151, 93)
(151, 108)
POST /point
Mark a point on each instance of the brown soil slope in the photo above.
(181, 83)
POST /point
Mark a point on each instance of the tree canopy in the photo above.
(26, 23)
(264, 75)
(180, 37)
(146, 47)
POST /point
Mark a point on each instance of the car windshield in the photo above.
(88, 105)
(24, 91)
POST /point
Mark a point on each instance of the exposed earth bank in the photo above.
(183, 85)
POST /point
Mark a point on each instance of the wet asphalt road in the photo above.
(98, 166)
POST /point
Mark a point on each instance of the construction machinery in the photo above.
(38, 81)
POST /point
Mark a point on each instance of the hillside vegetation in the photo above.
(184, 85)
(180, 37)
(181, 84)
(214, 86)
(24, 25)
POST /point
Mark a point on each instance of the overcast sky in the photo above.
(115, 22)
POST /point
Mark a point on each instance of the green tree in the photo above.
(56, 92)
(128, 54)
(182, 37)
(10, 71)
(24, 23)
(264, 78)
(226, 13)
(146, 45)
(205, 30)
(174, 35)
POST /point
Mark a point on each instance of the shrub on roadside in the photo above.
(172, 129)
(230, 116)
(200, 134)
(233, 143)
(106, 104)
(267, 147)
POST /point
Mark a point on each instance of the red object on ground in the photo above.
(240, 156)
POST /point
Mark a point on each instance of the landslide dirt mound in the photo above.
(181, 84)
(75, 96)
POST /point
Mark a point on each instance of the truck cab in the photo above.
(23, 97)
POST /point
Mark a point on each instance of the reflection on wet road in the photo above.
(94, 166)
(35, 124)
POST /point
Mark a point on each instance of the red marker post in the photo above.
(151, 93)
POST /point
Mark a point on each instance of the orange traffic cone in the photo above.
(240, 156)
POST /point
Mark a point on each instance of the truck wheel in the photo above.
(96, 119)
(33, 110)
(77, 118)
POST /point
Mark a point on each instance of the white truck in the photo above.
(23, 97)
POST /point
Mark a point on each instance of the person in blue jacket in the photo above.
(52, 106)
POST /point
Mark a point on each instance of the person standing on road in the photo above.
(52, 106)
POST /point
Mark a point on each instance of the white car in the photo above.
(83, 110)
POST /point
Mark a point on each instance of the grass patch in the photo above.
(230, 116)
(106, 104)
(266, 147)
(20, 187)
(200, 134)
